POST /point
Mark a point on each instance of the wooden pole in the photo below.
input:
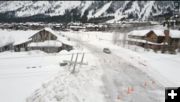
(75, 64)
(71, 59)
(82, 59)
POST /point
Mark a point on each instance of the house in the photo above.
(46, 40)
(49, 41)
(155, 39)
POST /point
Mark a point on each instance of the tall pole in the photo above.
(71, 59)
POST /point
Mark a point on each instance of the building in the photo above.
(21, 45)
(155, 39)
(46, 40)
(6, 43)
(6, 47)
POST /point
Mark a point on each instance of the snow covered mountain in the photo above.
(141, 10)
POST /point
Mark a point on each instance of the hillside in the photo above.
(82, 10)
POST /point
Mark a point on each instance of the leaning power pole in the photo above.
(75, 64)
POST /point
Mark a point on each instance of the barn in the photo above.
(48, 41)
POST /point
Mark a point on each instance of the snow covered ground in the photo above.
(23, 72)
(123, 76)
(166, 64)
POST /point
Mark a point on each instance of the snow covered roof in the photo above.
(159, 32)
(172, 33)
(47, 43)
(139, 32)
(47, 29)
(6, 40)
(5, 43)
(61, 39)
(144, 41)
(21, 41)
(14, 36)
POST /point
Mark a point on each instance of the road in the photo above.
(124, 81)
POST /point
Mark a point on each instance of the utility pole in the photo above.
(74, 63)
(74, 67)
(82, 59)
(71, 59)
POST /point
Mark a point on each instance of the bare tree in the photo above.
(115, 37)
(124, 39)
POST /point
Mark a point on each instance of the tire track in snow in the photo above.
(119, 75)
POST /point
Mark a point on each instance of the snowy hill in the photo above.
(85, 9)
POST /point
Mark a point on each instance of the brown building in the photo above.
(155, 39)
(46, 40)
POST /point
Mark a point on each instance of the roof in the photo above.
(139, 32)
(46, 29)
(173, 33)
(21, 41)
(47, 43)
(6, 41)
(159, 32)
(49, 29)
(61, 39)
(144, 41)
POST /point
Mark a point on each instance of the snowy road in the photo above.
(125, 82)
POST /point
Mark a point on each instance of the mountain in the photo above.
(66, 11)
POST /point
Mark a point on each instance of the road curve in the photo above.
(124, 82)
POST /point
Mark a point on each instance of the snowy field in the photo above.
(166, 64)
(21, 73)
(123, 76)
